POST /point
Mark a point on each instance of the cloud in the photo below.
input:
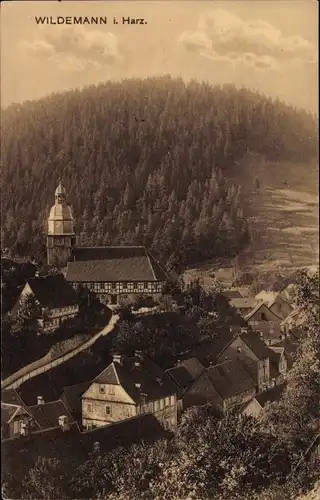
(222, 36)
(76, 50)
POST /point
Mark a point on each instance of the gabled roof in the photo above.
(255, 344)
(186, 372)
(256, 309)
(47, 414)
(12, 397)
(181, 376)
(7, 412)
(208, 352)
(125, 263)
(108, 376)
(73, 395)
(154, 382)
(230, 378)
(53, 291)
(272, 395)
(193, 365)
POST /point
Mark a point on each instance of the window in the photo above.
(263, 317)
(125, 285)
(145, 286)
(16, 426)
(101, 286)
(102, 389)
(128, 412)
(161, 404)
(173, 400)
(135, 286)
(108, 410)
(156, 406)
(111, 390)
(89, 407)
(167, 402)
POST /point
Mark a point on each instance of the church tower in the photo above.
(61, 236)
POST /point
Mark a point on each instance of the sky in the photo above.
(268, 45)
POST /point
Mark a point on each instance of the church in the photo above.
(117, 274)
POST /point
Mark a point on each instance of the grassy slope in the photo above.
(283, 214)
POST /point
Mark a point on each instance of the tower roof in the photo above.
(60, 189)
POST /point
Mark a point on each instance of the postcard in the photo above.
(160, 250)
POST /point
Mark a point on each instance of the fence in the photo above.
(42, 365)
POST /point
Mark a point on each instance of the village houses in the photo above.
(128, 387)
(55, 297)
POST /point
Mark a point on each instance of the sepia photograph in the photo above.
(160, 310)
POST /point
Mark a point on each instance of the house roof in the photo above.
(47, 414)
(243, 303)
(296, 317)
(272, 395)
(256, 344)
(154, 382)
(266, 297)
(53, 291)
(256, 308)
(7, 412)
(232, 293)
(113, 264)
(290, 349)
(12, 397)
(275, 353)
(181, 376)
(133, 430)
(72, 446)
(193, 365)
(208, 352)
(73, 395)
(230, 378)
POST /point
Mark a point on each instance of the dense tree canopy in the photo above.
(144, 162)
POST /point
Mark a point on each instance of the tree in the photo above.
(47, 480)
(27, 318)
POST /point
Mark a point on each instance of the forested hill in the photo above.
(144, 162)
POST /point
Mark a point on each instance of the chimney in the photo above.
(117, 358)
(40, 400)
(63, 422)
(96, 447)
(137, 385)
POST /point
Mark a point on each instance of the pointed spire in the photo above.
(60, 189)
